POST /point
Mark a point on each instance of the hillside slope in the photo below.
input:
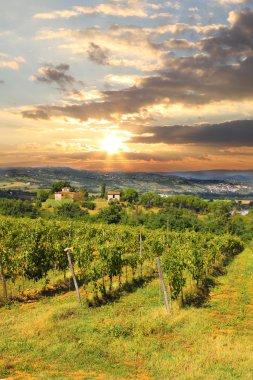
(133, 338)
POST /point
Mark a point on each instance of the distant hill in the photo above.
(213, 183)
(223, 175)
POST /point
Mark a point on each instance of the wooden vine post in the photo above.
(140, 255)
(5, 295)
(165, 295)
(68, 251)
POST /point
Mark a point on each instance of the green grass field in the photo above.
(133, 338)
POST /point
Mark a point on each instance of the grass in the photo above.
(133, 338)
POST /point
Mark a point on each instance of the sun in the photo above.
(112, 144)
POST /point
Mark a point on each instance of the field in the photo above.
(133, 338)
(13, 185)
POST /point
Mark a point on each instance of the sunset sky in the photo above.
(127, 85)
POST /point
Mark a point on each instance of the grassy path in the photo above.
(133, 338)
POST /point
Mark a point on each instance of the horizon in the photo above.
(118, 171)
(127, 86)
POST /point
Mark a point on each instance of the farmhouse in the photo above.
(113, 195)
(65, 193)
(244, 202)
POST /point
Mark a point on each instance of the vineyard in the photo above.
(104, 256)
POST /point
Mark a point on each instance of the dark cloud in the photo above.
(234, 133)
(192, 81)
(56, 74)
(98, 54)
(234, 40)
(189, 80)
(2, 81)
(36, 114)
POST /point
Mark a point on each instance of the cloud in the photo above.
(191, 81)
(235, 40)
(233, 133)
(128, 45)
(181, 43)
(55, 74)
(56, 14)
(228, 2)
(37, 114)
(126, 8)
(222, 70)
(9, 62)
(2, 81)
(129, 9)
(98, 54)
(9, 65)
(129, 80)
(119, 45)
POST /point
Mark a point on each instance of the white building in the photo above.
(113, 195)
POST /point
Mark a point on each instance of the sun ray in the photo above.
(113, 144)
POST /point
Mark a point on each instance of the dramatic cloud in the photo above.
(234, 133)
(168, 75)
(236, 40)
(98, 54)
(55, 74)
(193, 81)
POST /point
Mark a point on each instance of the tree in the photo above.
(89, 205)
(70, 210)
(57, 186)
(103, 190)
(42, 195)
(85, 193)
(149, 200)
(16, 207)
(111, 214)
(129, 195)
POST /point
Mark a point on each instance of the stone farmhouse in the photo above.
(113, 196)
(65, 193)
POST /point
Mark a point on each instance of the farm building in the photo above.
(244, 202)
(113, 195)
(67, 194)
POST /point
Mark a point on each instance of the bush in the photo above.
(16, 207)
(111, 214)
(70, 210)
(89, 205)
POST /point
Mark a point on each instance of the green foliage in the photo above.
(240, 228)
(149, 200)
(103, 190)
(16, 208)
(42, 195)
(186, 201)
(57, 186)
(112, 214)
(70, 210)
(129, 195)
(89, 205)
(85, 193)
(33, 248)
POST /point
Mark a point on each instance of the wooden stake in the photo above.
(5, 295)
(140, 255)
(167, 305)
(68, 251)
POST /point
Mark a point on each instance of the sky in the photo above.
(133, 85)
